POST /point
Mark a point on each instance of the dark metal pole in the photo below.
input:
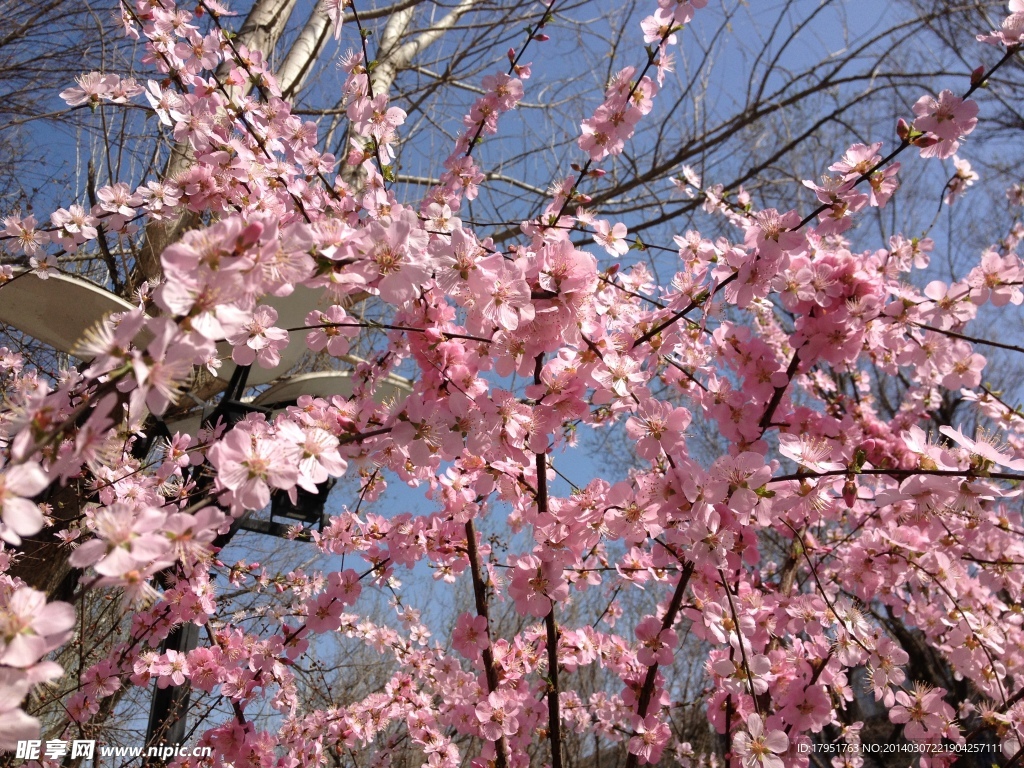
(168, 712)
(167, 715)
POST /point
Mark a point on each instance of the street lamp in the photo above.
(60, 310)
(56, 311)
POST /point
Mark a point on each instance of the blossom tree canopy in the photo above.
(804, 564)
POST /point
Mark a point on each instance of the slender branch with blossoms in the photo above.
(827, 538)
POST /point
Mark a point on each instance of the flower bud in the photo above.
(902, 129)
(849, 492)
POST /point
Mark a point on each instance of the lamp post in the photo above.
(167, 712)
(169, 709)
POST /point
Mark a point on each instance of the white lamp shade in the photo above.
(57, 311)
(326, 384)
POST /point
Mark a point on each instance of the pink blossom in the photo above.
(808, 451)
(965, 368)
(807, 708)
(126, 539)
(249, 465)
(1011, 31)
(15, 724)
(26, 234)
(883, 184)
(336, 13)
(118, 199)
(657, 426)
(996, 279)
(497, 716)
(30, 627)
(804, 341)
(165, 367)
(858, 160)
(21, 516)
(396, 253)
(656, 643)
(375, 118)
(505, 296)
(921, 711)
(470, 635)
(536, 584)
(618, 374)
(649, 739)
(964, 178)
(772, 233)
(757, 748)
(74, 226)
(259, 340)
(611, 237)
(318, 450)
(982, 448)
(93, 87)
(949, 118)
(173, 670)
(169, 106)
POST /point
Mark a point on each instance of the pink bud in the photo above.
(541, 38)
(902, 129)
(849, 492)
(511, 54)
